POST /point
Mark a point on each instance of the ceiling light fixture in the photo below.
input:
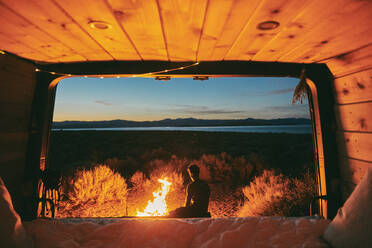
(99, 25)
(163, 78)
(268, 25)
(201, 78)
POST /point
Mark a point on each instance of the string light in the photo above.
(147, 74)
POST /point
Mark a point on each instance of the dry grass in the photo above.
(101, 192)
(273, 194)
(260, 193)
(224, 201)
(97, 192)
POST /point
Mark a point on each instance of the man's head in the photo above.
(193, 172)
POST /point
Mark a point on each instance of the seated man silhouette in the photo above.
(197, 197)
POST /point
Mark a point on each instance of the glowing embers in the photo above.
(158, 206)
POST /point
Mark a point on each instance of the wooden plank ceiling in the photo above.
(184, 30)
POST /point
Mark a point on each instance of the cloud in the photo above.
(103, 103)
(259, 112)
(214, 112)
(203, 110)
(268, 93)
(290, 111)
(289, 108)
(282, 91)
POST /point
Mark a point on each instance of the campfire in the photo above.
(100, 192)
(157, 206)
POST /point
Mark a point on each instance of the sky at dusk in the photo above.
(141, 99)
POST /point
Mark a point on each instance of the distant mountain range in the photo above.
(180, 122)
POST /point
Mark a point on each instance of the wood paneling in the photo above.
(17, 117)
(288, 44)
(12, 171)
(11, 142)
(251, 40)
(189, 30)
(17, 70)
(346, 188)
(17, 84)
(21, 29)
(343, 27)
(21, 49)
(113, 40)
(16, 66)
(14, 89)
(13, 156)
(142, 22)
(348, 63)
(224, 21)
(355, 145)
(355, 117)
(49, 18)
(354, 88)
(183, 24)
(353, 170)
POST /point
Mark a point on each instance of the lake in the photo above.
(239, 129)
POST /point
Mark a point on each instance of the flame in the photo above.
(158, 206)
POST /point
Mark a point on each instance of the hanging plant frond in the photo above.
(300, 92)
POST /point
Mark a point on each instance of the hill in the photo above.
(180, 122)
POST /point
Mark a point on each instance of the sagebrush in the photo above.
(272, 194)
(99, 191)
(95, 192)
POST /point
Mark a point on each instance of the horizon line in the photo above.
(185, 119)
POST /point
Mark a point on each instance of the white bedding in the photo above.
(221, 232)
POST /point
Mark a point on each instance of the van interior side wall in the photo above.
(353, 109)
(17, 88)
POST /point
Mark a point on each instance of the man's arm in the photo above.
(188, 197)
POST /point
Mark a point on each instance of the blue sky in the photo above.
(142, 99)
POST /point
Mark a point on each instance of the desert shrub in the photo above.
(261, 192)
(297, 199)
(95, 192)
(139, 193)
(273, 194)
(224, 201)
(224, 168)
